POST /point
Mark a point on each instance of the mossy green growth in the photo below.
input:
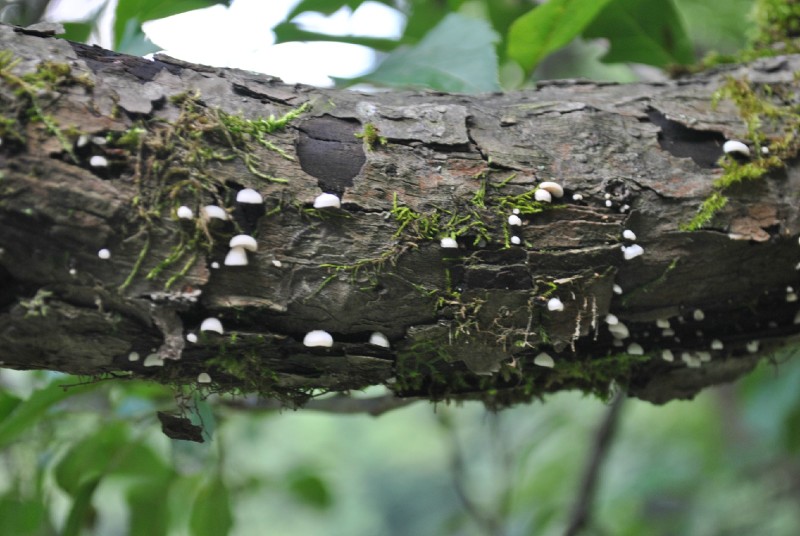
(371, 136)
(777, 21)
(763, 108)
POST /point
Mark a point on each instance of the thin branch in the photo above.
(582, 511)
(341, 404)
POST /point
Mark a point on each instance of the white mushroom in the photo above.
(153, 360)
(612, 320)
(617, 289)
(544, 360)
(249, 196)
(716, 344)
(326, 201)
(627, 234)
(318, 337)
(752, 347)
(667, 355)
(448, 243)
(619, 330)
(577, 197)
(631, 252)
(236, 257)
(98, 161)
(514, 220)
(553, 188)
(554, 304)
(212, 324)
(214, 212)
(635, 348)
(699, 315)
(104, 254)
(663, 323)
(543, 196)
(244, 241)
(379, 339)
(736, 147)
(191, 337)
(185, 213)
(133, 356)
(515, 240)
(203, 377)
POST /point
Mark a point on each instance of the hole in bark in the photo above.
(704, 147)
(328, 149)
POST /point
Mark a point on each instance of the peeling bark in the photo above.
(462, 323)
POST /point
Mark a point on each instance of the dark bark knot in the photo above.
(704, 147)
(328, 149)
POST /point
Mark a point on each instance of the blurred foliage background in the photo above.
(91, 459)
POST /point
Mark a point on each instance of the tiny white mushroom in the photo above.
(624, 208)
(249, 196)
(203, 377)
(554, 188)
(765, 150)
(236, 257)
(185, 213)
(448, 243)
(667, 355)
(663, 323)
(515, 240)
(703, 356)
(791, 297)
(632, 252)
(73, 272)
(736, 147)
(619, 330)
(379, 339)
(133, 356)
(276, 263)
(609, 204)
(543, 196)
(635, 348)
(627, 234)
(699, 315)
(104, 254)
(544, 360)
(191, 337)
(617, 289)
(326, 201)
(153, 360)
(554, 304)
(515, 211)
(577, 197)
(98, 161)
(612, 320)
(752, 346)
(83, 140)
(669, 332)
(215, 265)
(214, 212)
(514, 220)
(244, 241)
(318, 337)
(212, 324)
(716, 344)
(690, 360)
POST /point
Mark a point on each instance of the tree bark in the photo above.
(100, 149)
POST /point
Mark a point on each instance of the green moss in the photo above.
(371, 136)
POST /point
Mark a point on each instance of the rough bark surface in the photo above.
(462, 323)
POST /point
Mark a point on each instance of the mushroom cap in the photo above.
(554, 304)
(379, 339)
(736, 147)
(153, 360)
(667, 355)
(448, 242)
(185, 213)
(244, 241)
(635, 348)
(327, 200)
(619, 330)
(236, 257)
(249, 196)
(631, 252)
(212, 324)
(515, 240)
(318, 337)
(514, 220)
(104, 254)
(543, 196)
(627, 234)
(554, 188)
(544, 360)
(98, 161)
(203, 377)
(213, 211)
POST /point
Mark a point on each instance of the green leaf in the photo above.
(211, 513)
(326, 7)
(548, 27)
(21, 517)
(81, 512)
(289, 31)
(310, 489)
(133, 40)
(144, 10)
(643, 31)
(444, 59)
(77, 31)
(26, 414)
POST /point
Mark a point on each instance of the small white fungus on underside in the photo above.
(553, 188)
(448, 243)
(544, 360)
(690, 360)
(191, 337)
(667, 355)
(318, 337)
(609, 203)
(698, 315)
(212, 324)
(185, 213)
(619, 330)
(662, 323)
(791, 297)
(752, 347)
(627, 234)
(249, 196)
(669, 332)
(735, 147)
(635, 348)
(577, 197)
(543, 196)
(236, 257)
(133, 356)
(203, 377)
(515, 240)
(554, 304)
(705, 357)
(765, 150)
(98, 161)
(214, 212)
(514, 220)
(104, 254)
(243, 241)
(73, 272)
(624, 208)
(327, 201)
(153, 360)
(612, 320)
(515, 211)
(379, 339)
(215, 265)
(631, 252)
(276, 263)
(617, 289)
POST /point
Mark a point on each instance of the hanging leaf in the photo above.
(548, 27)
(444, 59)
(643, 31)
(211, 513)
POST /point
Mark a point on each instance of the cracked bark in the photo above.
(463, 323)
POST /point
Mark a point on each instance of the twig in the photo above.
(582, 511)
(342, 404)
